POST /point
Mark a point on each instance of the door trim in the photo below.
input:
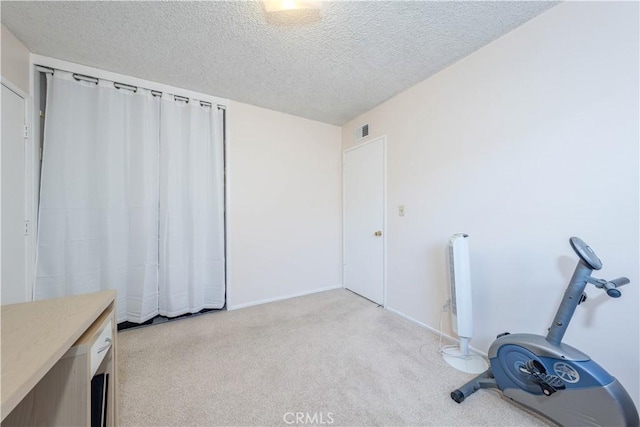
(28, 179)
(382, 138)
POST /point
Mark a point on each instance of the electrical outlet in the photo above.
(401, 210)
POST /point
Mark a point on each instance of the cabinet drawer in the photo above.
(100, 347)
(95, 343)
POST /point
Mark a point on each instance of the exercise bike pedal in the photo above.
(538, 375)
(548, 383)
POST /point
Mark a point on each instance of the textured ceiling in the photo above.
(359, 54)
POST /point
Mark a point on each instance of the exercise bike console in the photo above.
(585, 253)
(552, 378)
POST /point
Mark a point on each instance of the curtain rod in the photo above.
(134, 89)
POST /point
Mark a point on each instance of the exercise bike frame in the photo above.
(588, 394)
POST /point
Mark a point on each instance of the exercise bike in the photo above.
(554, 379)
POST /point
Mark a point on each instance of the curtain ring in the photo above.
(82, 77)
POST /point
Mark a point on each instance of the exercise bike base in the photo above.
(609, 405)
(590, 406)
(457, 395)
(484, 380)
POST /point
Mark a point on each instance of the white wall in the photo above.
(284, 218)
(15, 60)
(526, 142)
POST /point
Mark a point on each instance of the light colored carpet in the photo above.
(333, 355)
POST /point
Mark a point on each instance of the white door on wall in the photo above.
(364, 217)
(14, 288)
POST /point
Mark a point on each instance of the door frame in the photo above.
(28, 183)
(383, 139)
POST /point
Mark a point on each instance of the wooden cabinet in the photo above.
(51, 349)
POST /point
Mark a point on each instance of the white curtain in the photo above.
(98, 221)
(191, 208)
(131, 199)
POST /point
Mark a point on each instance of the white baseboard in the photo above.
(433, 330)
(280, 298)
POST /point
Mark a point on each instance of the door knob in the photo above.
(378, 233)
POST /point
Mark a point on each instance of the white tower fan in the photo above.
(460, 303)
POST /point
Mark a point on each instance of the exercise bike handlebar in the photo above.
(611, 286)
(589, 257)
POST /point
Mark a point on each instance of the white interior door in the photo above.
(364, 247)
(13, 286)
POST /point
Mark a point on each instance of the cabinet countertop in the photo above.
(35, 335)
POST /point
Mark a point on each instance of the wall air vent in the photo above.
(362, 132)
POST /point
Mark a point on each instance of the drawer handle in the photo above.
(106, 346)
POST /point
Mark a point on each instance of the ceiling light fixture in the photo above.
(286, 5)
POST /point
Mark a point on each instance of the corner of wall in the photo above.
(14, 65)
